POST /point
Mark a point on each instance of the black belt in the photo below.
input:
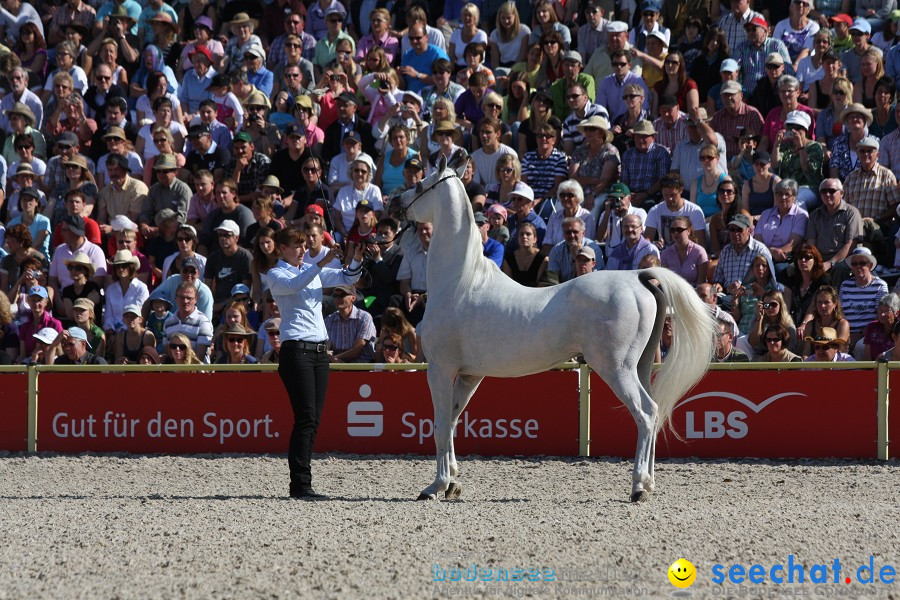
(320, 347)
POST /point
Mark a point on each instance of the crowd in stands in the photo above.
(150, 152)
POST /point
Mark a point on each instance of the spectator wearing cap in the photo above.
(671, 125)
(124, 195)
(221, 134)
(187, 240)
(737, 256)
(21, 124)
(317, 16)
(644, 165)
(818, 71)
(735, 117)
(616, 206)
(202, 38)
(113, 115)
(871, 187)
(267, 137)
(273, 337)
(205, 153)
(67, 147)
(796, 156)
(288, 162)
(192, 272)
(227, 266)
(493, 250)
(347, 121)
(729, 70)
(416, 62)
(195, 82)
(753, 54)
(860, 33)
(660, 217)
(338, 170)
(115, 142)
(789, 93)
(386, 256)
(735, 22)
(74, 241)
(247, 168)
(168, 192)
(521, 210)
(37, 317)
(359, 190)
(326, 46)
(860, 295)
(257, 73)
(413, 172)
(834, 227)
(73, 204)
(561, 265)
(599, 65)
(132, 342)
(20, 94)
(229, 209)
(74, 343)
(649, 24)
(610, 91)
(312, 191)
(23, 177)
(351, 330)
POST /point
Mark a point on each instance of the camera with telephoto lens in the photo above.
(615, 203)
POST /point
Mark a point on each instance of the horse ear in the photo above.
(442, 163)
(460, 166)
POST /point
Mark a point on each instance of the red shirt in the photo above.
(91, 232)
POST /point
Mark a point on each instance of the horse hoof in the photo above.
(454, 490)
(424, 496)
(641, 496)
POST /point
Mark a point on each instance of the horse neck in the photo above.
(455, 244)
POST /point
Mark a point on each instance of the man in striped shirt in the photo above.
(860, 296)
(189, 321)
(752, 54)
(545, 168)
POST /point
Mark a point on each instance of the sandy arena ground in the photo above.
(221, 527)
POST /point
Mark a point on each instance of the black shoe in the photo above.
(307, 494)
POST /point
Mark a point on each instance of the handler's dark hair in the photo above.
(290, 236)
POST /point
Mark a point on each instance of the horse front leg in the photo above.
(463, 389)
(441, 387)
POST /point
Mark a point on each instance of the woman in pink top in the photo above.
(684, 256)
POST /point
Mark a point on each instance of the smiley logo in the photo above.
(682, 573)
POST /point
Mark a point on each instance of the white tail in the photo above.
(692, 344)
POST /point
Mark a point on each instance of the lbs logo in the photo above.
(715, 424)
(365, 418)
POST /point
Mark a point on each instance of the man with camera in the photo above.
(267, 137)
(615, 208)
(117, 21)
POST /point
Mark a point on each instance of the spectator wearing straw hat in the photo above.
(126, 289)
(825, 347)
(582, 109)
(167, 192)
(74, 241)
(116, 142)
(21, 121)
(83, 286)
(644, 165)
(860, 295)
(20, 96)
(351, 331)
(236, 342)
(273, 337)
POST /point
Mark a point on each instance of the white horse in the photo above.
(480, 323)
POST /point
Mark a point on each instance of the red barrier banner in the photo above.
(365, 413)
(14, 400)
(771, 414)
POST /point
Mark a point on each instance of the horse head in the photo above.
(418, 203)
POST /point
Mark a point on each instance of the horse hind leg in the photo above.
(627, 387)
(441, 386)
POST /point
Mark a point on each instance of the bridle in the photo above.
(401, 212)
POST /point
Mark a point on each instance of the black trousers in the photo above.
(304, 374)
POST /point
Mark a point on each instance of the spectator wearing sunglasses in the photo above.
(725, 350)
(776, 349)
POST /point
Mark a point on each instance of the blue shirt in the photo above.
(609, 94)
(168, 288)
(422, 64)
(494, 251)
(298, 293)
